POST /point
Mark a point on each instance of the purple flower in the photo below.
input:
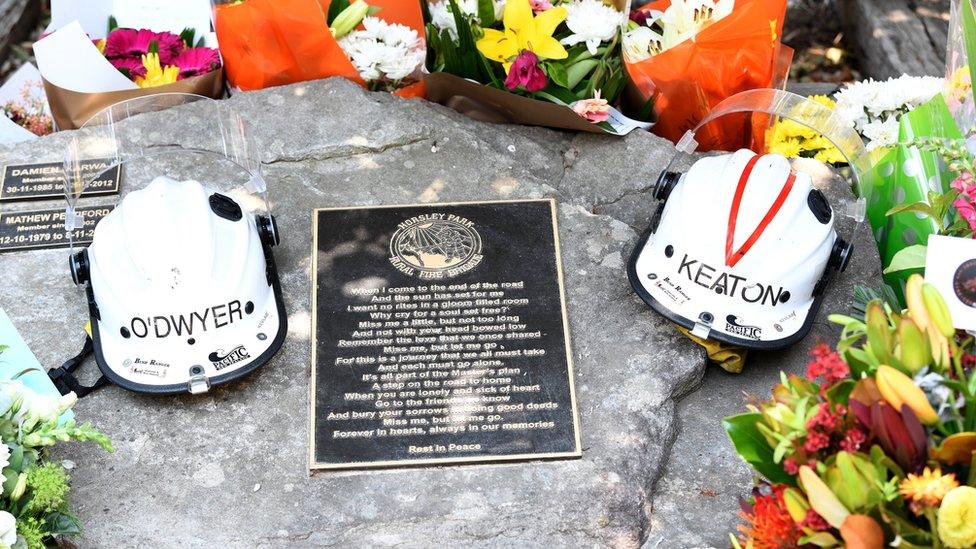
(526, 73)
(122, 43)
(196, 61)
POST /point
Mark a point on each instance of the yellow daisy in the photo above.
(927, 489)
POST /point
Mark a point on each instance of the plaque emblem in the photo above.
(435, 246)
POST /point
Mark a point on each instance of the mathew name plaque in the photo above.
(440, 336)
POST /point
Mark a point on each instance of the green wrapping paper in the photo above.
(904, 174)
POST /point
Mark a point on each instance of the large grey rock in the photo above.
(17, 18)
(228, 469)
(896, 37)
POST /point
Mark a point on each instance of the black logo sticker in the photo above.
(733, 327)
(964, 282)
(222, 360)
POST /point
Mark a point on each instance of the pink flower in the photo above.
(526, 73)
(966, 211)
(136, 43)
(196, 61)
(966, 185)
(131, 67)
(540, 5)
(595, 110)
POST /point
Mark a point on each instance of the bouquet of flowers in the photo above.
(376, 43)
(92, 57)
(543, 62)
(875, 108)
(686, 56)
(34, 504)
(876, 445)
(153, 59)
(794, 140)
(24, 106)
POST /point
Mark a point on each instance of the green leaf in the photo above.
(188, 36)
(486, 13)
(753, 448)
(912, 257)
(578, 71)
(916, 207)
(58, 522)
(969, 35)
(841, 391)
(557, 73)
(113, 23)
(154, 46)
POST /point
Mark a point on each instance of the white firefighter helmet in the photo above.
(182, 286)
(742, 247)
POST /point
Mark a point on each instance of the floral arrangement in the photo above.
(794, 140)
(386, 55)
(876, 445)
(30, 112)
(561, 51)
(153, 59)
(34, 503)
(874, 108)
(651, 32)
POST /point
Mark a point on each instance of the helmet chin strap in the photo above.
(731, 258)
(64, 378)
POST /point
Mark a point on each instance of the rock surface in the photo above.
(228, 469)
(898, 37)
(16, 19)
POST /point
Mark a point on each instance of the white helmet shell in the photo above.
(183, 289)
(740, 248)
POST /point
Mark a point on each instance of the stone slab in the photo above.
(228, 469)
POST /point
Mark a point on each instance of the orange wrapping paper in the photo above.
(737, 53)
(268, 43)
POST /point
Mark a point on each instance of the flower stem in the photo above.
(934, 526)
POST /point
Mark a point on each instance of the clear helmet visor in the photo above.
(191, 137)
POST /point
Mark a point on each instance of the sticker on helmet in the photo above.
(221, 360)
(734, 327)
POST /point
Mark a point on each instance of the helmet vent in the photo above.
(819, 206)
(249, 307)
(669, 250)
(124, 332)
(225, 207)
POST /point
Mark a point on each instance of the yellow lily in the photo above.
(898, 389)
(524, 31)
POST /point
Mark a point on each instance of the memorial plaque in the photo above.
(440, 336)
(39, 229)
(46, 180)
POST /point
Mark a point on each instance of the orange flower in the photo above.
(927, 489)
(769, 524)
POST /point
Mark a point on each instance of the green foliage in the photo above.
(48, 485)
(752, 446)
(33, 531)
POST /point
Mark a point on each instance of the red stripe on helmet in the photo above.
(731, 258)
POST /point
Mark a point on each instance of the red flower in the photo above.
(136, 43)
(768, 523)
(639, 17)
(526, 73)
(900, 434)
(131, 67)
(196, 61)
(828, 365)
(814, 521)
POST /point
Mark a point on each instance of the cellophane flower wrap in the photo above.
(686, 56)
(375, 43)
(563, 52)
(921, 130)
(875, 444)
(34, 502)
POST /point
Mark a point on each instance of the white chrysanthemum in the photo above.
(871, 101)
(881, 133)
(383, 51)
(592, 22)
(8, 529)
(442, 17)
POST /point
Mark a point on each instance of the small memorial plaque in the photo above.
(46, 180)
(440, 336)
(39, 229)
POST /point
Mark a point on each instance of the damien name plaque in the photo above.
(439, 336)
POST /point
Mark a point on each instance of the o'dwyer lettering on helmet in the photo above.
(221, 360)
(184, 324)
